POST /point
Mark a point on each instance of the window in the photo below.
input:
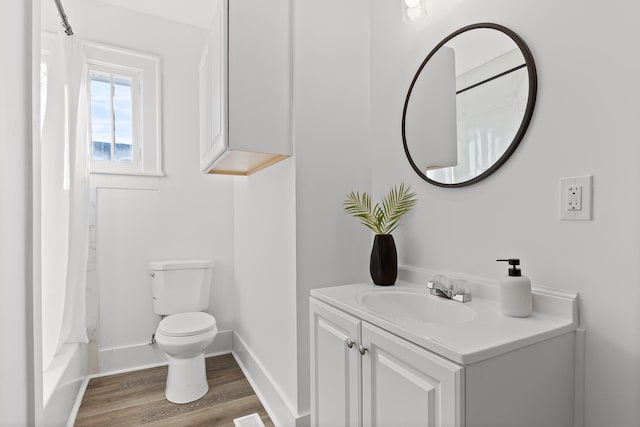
(124, 95)
(114, 125)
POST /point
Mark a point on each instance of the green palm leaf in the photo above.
(382, 218)
(398, 202)
(359, 206)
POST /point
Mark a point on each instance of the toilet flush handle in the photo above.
(152, 274)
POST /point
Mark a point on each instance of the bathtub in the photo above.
(62, 382)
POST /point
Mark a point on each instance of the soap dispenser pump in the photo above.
(515, 291)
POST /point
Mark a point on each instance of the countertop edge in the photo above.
(442, 349)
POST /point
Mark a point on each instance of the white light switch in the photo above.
(575, 198)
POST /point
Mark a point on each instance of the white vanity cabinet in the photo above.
(335, 367)
(405, 385)
(365, 376)
(368, 370)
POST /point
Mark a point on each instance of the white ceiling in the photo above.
(192, 12)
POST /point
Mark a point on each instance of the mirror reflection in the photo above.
(469, 105)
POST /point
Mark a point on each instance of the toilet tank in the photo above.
(180, 286)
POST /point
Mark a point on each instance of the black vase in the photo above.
(384, 260)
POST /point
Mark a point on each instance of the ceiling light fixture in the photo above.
(413, 10)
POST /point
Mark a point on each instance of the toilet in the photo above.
(180, 291)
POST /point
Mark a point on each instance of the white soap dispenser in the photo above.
(515, 291)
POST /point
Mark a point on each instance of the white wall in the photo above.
(291, 232)
(190, 215)
(265, 286)
(584, 123)
(260, 73)
(16, 365)
(333, 153)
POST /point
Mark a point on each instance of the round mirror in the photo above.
(469, 105)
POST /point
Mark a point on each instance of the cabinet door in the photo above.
(406, 385)
(213, 91)
(335, 367)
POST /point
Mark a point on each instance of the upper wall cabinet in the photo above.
(245, 87)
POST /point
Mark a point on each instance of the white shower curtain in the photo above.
(65, 198)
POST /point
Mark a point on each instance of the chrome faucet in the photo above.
(444, 287)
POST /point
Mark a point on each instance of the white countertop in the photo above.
(486, 334)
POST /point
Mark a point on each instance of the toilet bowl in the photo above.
(181, 290)
(184, 337)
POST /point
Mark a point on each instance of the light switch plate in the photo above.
(576, 198)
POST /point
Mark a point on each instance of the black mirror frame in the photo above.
(531, 101)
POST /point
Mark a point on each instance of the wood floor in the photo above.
(137, 398)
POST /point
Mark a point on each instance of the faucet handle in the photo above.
(436, 284)
(460, 291)
(441, 281)
(461, 297)
(459, 286)
(454, 289)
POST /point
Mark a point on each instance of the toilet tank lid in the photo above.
(180, 264)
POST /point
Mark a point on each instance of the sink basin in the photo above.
(413, 307)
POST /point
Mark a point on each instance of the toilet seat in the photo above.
(187, 324)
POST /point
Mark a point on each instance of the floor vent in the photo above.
(252, 420)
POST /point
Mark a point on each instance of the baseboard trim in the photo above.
(579, 379)
(278, 407)
(76, 405)
(142, 356)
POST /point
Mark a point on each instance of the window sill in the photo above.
(127, 173)
(126, 181)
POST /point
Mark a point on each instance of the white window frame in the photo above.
(144, 69)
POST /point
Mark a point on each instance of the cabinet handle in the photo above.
(350, 343)
(363, 349)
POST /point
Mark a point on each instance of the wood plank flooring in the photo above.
(137, 398)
